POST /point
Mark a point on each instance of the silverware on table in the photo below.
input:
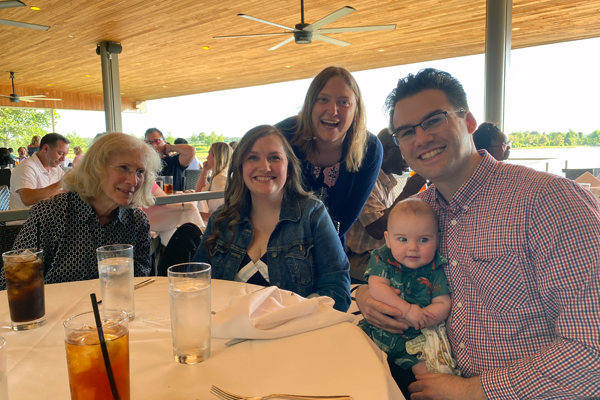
(139, 285)
(224, 395)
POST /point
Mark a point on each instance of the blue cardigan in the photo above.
(347, 197)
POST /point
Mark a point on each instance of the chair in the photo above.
(8, 234)
(191, 178)
(181, 247)
(5, 177)
(4, 197)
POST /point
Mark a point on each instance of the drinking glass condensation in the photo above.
(115, 267)
(168, 184)
(24, 273)
(189, 299)
(87, 372)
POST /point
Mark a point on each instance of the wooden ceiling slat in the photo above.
(162, 41)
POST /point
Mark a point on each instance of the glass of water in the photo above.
(115, 267)
(189, 299)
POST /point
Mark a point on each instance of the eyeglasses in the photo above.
(431, 124)
(125, 171)
(155, 141)
(504, 145)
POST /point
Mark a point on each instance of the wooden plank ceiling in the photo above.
(163, 41)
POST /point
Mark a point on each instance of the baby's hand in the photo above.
(415, 317)
(429, 317)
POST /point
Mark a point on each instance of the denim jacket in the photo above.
(304, 253)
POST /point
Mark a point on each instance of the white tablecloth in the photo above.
(165, 219)
(336, 360)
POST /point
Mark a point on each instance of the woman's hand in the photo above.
(378, 314)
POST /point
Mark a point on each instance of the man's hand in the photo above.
(446, 387)
(378, 314)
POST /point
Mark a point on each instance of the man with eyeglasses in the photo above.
(523, 251)
(173, 165)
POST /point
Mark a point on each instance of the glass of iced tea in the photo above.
(87, 372)
(168, 184)
(24, 274)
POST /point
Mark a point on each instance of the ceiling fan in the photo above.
(17, 3)
(15, 98)
(304, 33)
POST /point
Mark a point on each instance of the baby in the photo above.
(409, 262)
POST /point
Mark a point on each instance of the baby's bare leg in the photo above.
(419, 369)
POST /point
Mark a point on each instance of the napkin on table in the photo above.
(272, 313)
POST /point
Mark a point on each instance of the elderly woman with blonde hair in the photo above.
(100, 207)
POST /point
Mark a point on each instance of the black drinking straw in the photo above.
(109, 372)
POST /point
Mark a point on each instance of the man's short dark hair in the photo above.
(180, 141)
(10, 150)
(485, 135)
(150, 130)
(52, 139)
(429, 78)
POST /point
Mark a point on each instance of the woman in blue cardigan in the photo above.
(340, 158)
(270, 231)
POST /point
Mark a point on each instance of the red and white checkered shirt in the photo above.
(523, 251)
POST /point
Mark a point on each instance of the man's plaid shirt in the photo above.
(523, 251)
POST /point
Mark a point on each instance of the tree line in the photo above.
(554, 139)
(18, 126)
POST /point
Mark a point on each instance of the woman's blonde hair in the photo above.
(86, 176)
(222, 153)
(36, 139)
(355, 142)
(237, 196)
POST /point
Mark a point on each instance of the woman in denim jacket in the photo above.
(270, 231)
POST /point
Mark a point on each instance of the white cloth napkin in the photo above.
(272, 313)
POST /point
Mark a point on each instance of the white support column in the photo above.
(497, 58)
(111, 87)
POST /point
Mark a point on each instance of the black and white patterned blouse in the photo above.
(70, 233)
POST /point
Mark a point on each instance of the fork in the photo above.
(224, 395)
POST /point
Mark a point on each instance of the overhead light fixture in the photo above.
(287, 66)
(164, 86)
(49, 84)
(516, 29)
(205, 47)
(87, 76)
(380, 50)
(218, 77)
(34, 8)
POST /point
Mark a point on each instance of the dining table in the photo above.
(337, 360)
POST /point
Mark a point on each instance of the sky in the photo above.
(550, 88)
